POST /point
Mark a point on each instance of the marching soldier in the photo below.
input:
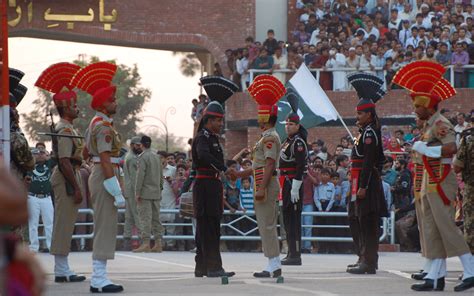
(266, 90)
(435, 184)
(103, 144)
(66, 178)
(130, 168)
(293, 160)
(148, 198)
(208, 164)
(367, 203)
(464, 164)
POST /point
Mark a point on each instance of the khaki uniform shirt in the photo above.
(130, 168)
(149, 174)
(268, 146)
(69, 147)
(101, 136)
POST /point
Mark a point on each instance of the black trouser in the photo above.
(292, 220)
(207, 198)
(355, 229)
(369, 239)
(208, 254)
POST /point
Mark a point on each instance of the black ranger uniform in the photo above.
(208, 163)
(293, 161)
(367, 161)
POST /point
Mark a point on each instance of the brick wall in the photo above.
(209, 25)
(396, 104)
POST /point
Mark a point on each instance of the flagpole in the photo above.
(344, 124)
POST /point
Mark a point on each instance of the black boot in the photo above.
(362, 268)
(419, 276)
(429, 285)
(112, 288)
(464, 285)
(220, 273)
(291, 261)
(267, 274)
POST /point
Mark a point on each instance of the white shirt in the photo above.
(242, 65)
(467, 40)
(374, 31)
(394, 24)
(413, 41)
(403, 36)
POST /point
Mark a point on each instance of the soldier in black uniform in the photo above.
(208, 164)
(367, 199)
(293, 160)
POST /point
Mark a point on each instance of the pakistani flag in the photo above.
(314, 105)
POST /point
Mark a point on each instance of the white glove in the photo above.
(113, 187)
(422, 148)
(295, 190)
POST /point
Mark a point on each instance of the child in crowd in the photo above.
(324, 193)
(339, 203)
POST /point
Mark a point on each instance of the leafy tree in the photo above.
(130, 99)
(158, 139)
(189, 63)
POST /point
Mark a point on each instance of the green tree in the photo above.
(189, 63)
(131, 97)
(158, 138)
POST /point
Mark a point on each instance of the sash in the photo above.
(446, 170)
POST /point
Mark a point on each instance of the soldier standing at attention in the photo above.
(266, 90)
(103, 144)
(464, 164)
(435, 183)
(148, 198)
(367, 202)
(208, 164)
(293, 159)
(66, 178)
(130, 168)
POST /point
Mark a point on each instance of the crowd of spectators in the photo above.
(378, 37)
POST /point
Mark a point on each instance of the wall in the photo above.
(271, 14)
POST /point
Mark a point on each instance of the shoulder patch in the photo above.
(368, 140)
(269, 144)
(442, 128)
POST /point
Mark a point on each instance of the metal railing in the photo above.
(317, 71)
(387, 226)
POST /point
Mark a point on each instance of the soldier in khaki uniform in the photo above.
(464, 164)
(266, 90)
(148, 198)
(66, 178)
(435, 184)
(103, 145)
(130, 169)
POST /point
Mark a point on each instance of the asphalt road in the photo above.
(171, 273)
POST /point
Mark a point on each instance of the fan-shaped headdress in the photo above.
(266, 91)
(369, 88)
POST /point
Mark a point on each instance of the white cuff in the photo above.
(112, 186)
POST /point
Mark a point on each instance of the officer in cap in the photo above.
(208, 164)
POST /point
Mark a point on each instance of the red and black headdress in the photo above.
(57, 79)
(17, 90)
(219, 90)
(266, 91)
(425, 82)
(96, 80)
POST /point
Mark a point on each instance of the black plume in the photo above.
(367, 86)
(15, 78)
(218, 88)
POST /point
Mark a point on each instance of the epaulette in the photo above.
(206, 133)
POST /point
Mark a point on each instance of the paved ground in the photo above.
(171, 273)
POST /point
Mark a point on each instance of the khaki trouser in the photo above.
(442, 238)
(419, 217)
(149, 219)
(267, 217)
(65, 213)
(105, 216)
(131, 217)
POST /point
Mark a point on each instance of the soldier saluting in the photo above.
(66, 178)
(367, 203)
(208, 164)
(293, 160)
(103, 144)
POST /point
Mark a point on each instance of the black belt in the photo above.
(207, 174)
(39, 195)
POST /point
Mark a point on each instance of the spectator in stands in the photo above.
(444, 56)
(342, 162)
(386, 136)
(324, 193)
(310, 180)
(339, 203)
(394, 148)
(280, 62)
(168, 199)
(382, 7)
(242, 67)
(264, 61)
(194, 110)
(301, 35)
(353, 60)
(312, 25)
(389, 174)
(246, 195)
(461, 125)
(270, 43)
(325, 78)
(253, 50)
(331, 164)
(400, 134)
(367, 61)
(459, 59)
(337, 60)
(402, 186)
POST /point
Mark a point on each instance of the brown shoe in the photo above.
(157, 248)
(143, 248)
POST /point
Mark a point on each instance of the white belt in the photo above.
(446, 160)
(114, 160)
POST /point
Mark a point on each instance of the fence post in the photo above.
(451, 75)
(392, 227)
(317, 75)
(251, 76)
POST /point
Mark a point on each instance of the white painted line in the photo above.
(339, 278)
(400, 273)
(289, 288)
(128, 279)
(155, 260)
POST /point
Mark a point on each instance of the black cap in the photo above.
(146, 140)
